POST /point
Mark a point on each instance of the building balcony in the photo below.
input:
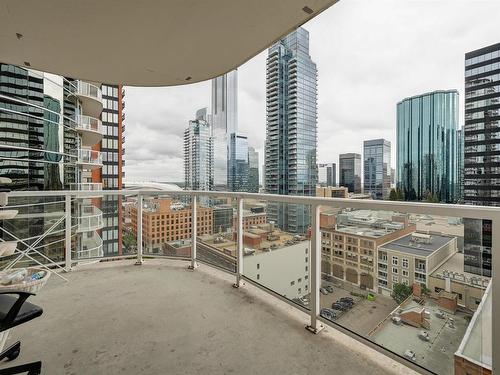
(89, 159)
(87, 186)
(90, 96)
(90, 246)
(90, 219)
(90, 130)
(268, 298)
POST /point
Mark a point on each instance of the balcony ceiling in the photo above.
(153, 43)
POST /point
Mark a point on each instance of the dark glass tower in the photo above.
(481, 151)
(350, 172)
(291, 128)
(377, 168)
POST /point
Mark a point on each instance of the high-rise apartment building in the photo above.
(224, 122)
(198, 154)
(50, 139)
(481, 151)
(377, 168)
(426, 146)
(327, 174)
(112, 148)
(291, 128)
(350, 172)
(238, 163)
(253, 170)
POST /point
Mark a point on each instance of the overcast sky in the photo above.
(370, 54)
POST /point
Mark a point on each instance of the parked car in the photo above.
(328, 314)
(410, 354)
(323, 291)
(339, 306)
(329, 288)
(347, 299)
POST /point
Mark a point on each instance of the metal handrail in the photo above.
(88, 123)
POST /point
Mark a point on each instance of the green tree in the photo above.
(400, 195)
(129, 242)
(400, 292)
(393, 196)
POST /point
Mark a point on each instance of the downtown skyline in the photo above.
(156, 117)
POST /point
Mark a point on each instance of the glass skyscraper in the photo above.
(198, 154)
(377, 168)
(238, 163)
(291, 128)
(224, 122)
(427, 146)
(481, 152)
(350, 172)
(327, 174)
(253, 170)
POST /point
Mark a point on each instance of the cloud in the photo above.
(370, 55)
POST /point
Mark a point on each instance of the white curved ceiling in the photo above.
(145, 43)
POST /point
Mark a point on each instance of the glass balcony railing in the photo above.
(90, 158)
(411, 280)
(86, 186)
(82, 88)
(88, 123)
(89, 219)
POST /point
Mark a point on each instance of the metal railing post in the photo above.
(194, 231)
(139, 229)
(67, 233)
(239, 248)
(315, 263)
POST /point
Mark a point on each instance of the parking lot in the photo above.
(365, 314)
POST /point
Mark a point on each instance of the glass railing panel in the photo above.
(217, 239)
(410, 283)
(166, 225)
(38, 228)
(277, 248)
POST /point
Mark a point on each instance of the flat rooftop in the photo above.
(406, 245)
(437, 353)
(159, 318)
(454, 266)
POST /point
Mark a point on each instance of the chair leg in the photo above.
(33, 368)
(12, 352)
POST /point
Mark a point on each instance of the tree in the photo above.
(393, 196)
(400, 194)
(129, 242)
(400, 292)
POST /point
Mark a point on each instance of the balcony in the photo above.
(90, 96)
(90, 159)
(90, 246)
(87, 186)
(90, 129)
(253, 311)
(90, 219)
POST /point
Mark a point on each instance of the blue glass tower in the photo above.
(291, 128)
(427, 146)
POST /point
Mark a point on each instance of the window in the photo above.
(405, 273)
(405, 263)
(394, 270)
(395, 261)
(299, 280)
(258, 277)
(395, 279)
(292, 283)
(258, 266)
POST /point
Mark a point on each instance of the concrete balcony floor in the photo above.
(160, 318)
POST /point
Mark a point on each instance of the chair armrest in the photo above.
(14, 310)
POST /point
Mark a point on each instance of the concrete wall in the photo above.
(278, 269)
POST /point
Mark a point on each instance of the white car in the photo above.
(410, 354)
